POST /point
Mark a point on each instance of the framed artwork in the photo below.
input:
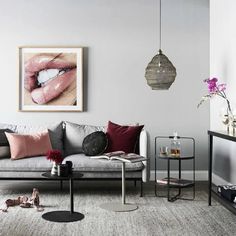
(50, 79)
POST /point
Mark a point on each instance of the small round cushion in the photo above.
(95, 143)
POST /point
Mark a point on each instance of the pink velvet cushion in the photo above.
(122, 138)
(28, 145)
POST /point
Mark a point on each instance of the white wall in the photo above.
(222, 65)
(121, 38)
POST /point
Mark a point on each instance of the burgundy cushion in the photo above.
(122, 138)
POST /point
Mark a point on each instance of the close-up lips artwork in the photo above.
(47, 76)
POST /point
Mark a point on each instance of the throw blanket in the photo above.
(24, 201)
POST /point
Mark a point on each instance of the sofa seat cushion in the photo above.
(85, 163)
(26, 164)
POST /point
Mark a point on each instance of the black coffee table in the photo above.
(64, 216)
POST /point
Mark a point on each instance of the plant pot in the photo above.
(54, 170)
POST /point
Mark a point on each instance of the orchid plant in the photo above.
(215, 89)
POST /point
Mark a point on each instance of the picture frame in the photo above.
(50, 78)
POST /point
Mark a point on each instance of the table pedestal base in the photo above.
(62, 216)
(118, 207)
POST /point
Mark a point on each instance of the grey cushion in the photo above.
(55, 132)
(5, 152)
(74, 136)
(85, 163)
(26, 164)
(3, 137)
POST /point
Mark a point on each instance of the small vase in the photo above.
(54, 170)
(231, 124)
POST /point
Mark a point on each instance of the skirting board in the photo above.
(217, 180)
(200, 175)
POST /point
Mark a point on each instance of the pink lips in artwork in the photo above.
(47, 76)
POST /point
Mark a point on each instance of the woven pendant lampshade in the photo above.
(160, 72)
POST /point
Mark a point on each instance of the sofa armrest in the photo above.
(143, 143)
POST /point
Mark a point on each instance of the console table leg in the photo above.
(71, 196)
(210, 170)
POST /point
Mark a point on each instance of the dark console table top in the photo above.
(222, 134)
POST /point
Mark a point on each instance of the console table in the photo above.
(223, 135)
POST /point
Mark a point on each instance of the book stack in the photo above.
(174, 182)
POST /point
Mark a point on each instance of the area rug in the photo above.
(155, 216)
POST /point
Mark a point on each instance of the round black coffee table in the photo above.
(64, 216)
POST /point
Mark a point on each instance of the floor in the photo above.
(155, 216)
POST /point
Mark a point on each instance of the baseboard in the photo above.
(217, 180)
(200, 175)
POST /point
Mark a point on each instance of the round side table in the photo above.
(64, 216)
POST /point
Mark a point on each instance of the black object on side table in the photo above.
(64, 216)
(170, 182)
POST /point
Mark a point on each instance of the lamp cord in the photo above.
(160, 25)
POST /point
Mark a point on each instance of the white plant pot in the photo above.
(54, 168)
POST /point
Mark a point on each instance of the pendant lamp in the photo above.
(160, 72)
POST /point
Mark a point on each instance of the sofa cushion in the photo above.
(55, 132)
(95, 143)
(85, 163)
(74, 136)
(3, 138)
(122, 138)
(27, 164)
(27, 145)
(80, 163)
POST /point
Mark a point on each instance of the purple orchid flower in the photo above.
(212, 85)
(215, 89)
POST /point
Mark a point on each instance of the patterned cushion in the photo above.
(95, 143)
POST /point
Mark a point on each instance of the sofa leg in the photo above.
(141, 188)
(61, 185)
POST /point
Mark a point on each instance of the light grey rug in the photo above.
(155, 216)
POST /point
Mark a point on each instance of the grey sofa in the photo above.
(68, 138)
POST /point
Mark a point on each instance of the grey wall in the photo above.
(121, 37)
(222, 65)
